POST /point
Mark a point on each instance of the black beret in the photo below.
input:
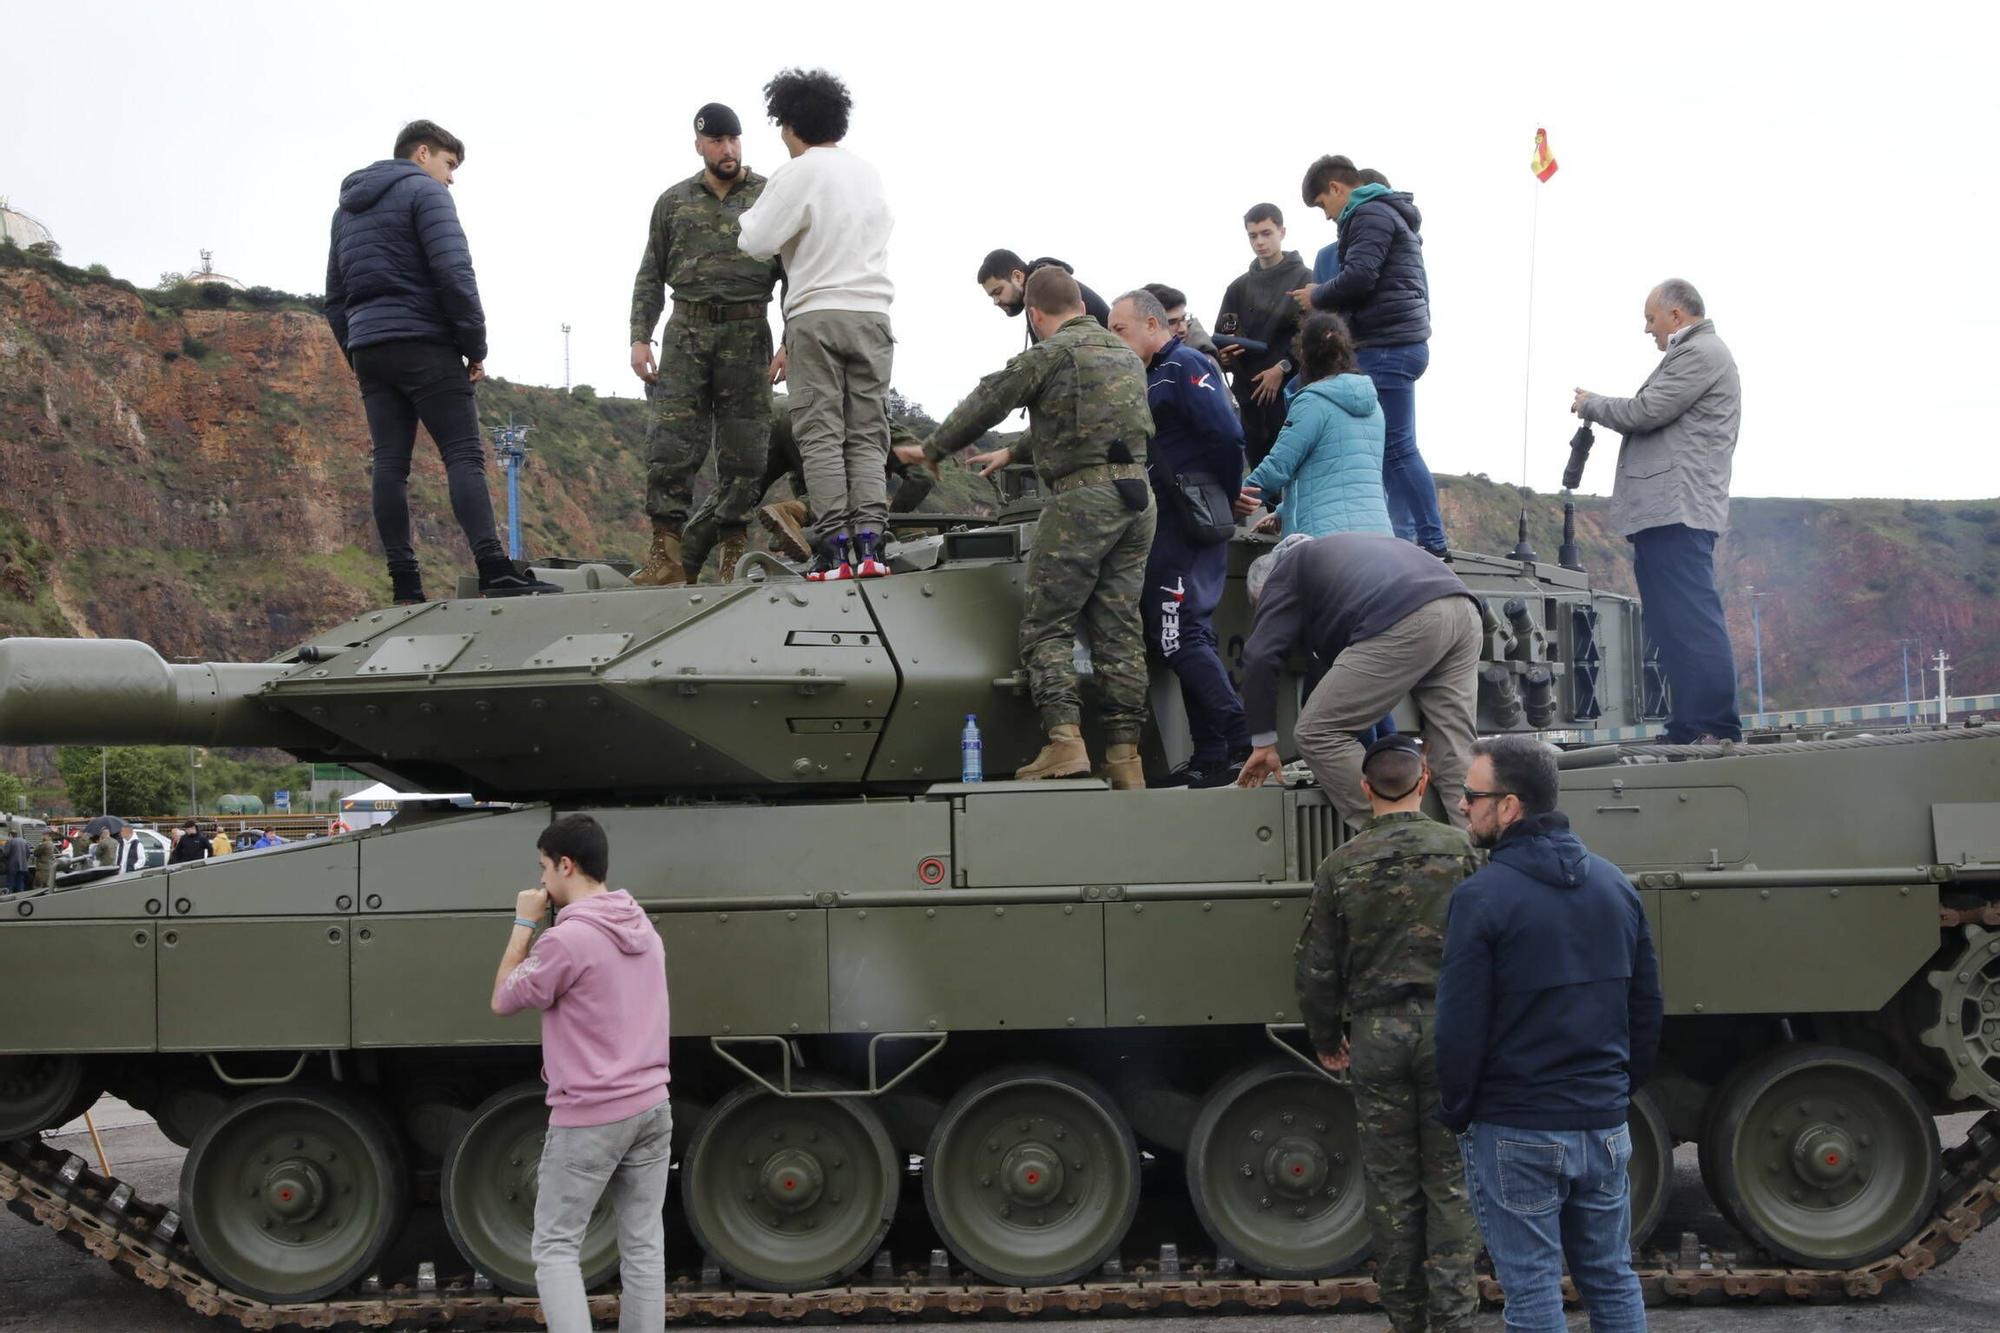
(717, 121)
(1400, 740)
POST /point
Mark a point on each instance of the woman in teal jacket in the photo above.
(1327, 461)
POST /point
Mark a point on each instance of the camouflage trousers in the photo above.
(713, 389)
(1418, 1208)
(1087, 572)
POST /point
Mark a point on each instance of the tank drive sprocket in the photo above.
(1967, 1032)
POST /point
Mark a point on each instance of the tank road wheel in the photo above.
(1651, 1170)
(1274, 1170)
(1826, 1157)
(790, 1193)
(291, 1193)
(1032, 1176)
(1967, 1033)
(489, 1187)
(39, 1092)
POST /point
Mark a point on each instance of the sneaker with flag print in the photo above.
(868, 564)
(831, 564)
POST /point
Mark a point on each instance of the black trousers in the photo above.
(1675, 569)
(403, 383)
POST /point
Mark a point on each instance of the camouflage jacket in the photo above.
(1375, 931)
(1085, 393)
(691, 247)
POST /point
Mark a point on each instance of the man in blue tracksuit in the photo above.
(1548, 1017)
(1196, 434)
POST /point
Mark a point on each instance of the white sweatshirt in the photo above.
(825, 215)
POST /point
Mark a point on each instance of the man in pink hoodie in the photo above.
(599, 978)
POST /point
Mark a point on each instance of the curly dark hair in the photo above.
(1324, 347)
(811, 103)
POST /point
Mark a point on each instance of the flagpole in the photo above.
(1528, 354)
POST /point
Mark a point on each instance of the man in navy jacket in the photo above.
(1196, 434)
(1548, 1016)
(405, 309)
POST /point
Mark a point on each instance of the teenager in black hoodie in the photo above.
(1258, 306)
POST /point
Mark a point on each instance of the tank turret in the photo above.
(761, 686)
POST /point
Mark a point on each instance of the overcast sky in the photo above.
(1822, 173)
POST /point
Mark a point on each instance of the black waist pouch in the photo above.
(1205, 509)
(1132, 490)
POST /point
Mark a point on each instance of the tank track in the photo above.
(103, 1216)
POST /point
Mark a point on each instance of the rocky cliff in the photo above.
(197, 476)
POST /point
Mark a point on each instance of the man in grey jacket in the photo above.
(1671, 501)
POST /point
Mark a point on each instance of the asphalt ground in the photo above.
(47, 1286)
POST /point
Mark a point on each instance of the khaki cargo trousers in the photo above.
(837, 367)
(1431, 655)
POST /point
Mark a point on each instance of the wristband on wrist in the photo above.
(523, 921)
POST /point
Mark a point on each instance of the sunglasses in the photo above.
(1471, 795)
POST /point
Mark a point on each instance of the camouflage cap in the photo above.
(717, 121)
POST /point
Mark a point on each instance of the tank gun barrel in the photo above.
(120, 692)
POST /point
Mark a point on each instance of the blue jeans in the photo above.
(1674, 567)
(1412, 495)
(1543, 1195)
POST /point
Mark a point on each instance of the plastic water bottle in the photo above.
(971, 753)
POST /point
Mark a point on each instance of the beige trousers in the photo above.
(1431, 655)
(837, 366)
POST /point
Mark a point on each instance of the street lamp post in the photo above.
(1909, 706)
(1757, 640)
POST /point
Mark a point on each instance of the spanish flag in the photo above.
(1544, 165)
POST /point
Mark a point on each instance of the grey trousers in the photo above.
(837, 365)
(628, 1160)
(1432, 655)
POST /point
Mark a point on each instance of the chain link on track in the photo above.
(56, 1190)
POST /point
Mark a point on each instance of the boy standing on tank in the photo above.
(599, 978)
(826, 214)
(1371, 951)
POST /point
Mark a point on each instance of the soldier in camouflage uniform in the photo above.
(712, 382)
(786, 519)
(1372, 948)
(1087, 430)
(44, 858)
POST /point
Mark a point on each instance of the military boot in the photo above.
(663, 559)
(1063, 757)
(1123, 769)
(786, 521)
(729, 551)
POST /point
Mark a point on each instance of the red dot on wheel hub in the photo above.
(1034, 1177)
(1833, 1159)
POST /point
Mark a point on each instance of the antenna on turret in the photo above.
(1522, 551)
(1567, 555)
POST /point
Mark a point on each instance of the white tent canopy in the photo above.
(378, 804)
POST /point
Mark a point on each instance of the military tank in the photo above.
(1031, 1029)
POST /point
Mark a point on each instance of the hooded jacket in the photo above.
(399, 268)
(1261, 300)
(1381, 287)
(1548, 1007)
(599, 976)
(1328, 460)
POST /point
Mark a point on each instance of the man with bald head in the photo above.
(1197, 440)
(1670, 499)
